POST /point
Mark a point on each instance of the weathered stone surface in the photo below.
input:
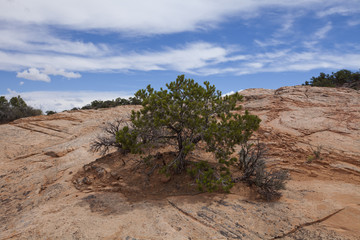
(39, 157)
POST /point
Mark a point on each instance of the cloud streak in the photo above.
(37, 37)
(321, 33)
(196, 58)
(162, 16)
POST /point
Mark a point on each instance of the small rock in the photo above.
(52, 154)
(84, 180)
(115, 175)
(100, 172)
(87, 168)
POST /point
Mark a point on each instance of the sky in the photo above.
(62, 54)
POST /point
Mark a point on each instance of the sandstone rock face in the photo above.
(39, 157)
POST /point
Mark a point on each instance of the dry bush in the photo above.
(103, 143)
(252, 165)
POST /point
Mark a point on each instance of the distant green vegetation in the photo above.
(342, 78)
(111, 103)
(15, 108)
(50, 112)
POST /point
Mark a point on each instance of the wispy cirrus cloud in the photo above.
(38, 39)
(346, 9)
(321, 33)
(32, 38)
(155, 17)
(187, 58)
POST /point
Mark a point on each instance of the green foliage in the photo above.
(316, 154)
(310, 159)
(15, 108)
(342, 78)
(50, 112)
(128, 140)
(183, 115)
(208, 178)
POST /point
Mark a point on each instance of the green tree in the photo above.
(184, 115)
(323, 80)
(50, 112)
(18, 102)
(15, 108)
(341, 78)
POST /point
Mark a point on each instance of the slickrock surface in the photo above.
(40, 156)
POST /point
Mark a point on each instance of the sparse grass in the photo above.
(316, 154)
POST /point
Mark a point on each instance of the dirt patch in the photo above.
(137, 181)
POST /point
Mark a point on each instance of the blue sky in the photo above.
(63, 54)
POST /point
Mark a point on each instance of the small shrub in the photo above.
(253, 168)
(269, 183)
(310, 159)
(316, 154)
(50, 112)
(103, 143)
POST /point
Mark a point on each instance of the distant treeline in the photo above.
(342, 78)
(111, 103)
(96, 104)
(15, 108)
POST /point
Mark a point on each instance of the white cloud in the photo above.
(33, 74)
(12, 92)
(29, 38)
(298, 61)
(341, 10)
(185, 58)
(146, 17)
(61, 72)
(270, 42)
(59, 101)
(21, 83)
(321, 33)
(353, 23)
(43, 75)
(231, 92)
(196, 58)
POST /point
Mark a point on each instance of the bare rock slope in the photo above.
(39, 157)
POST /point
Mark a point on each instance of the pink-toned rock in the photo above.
(39, 157)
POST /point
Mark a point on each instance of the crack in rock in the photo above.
(308, 224)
